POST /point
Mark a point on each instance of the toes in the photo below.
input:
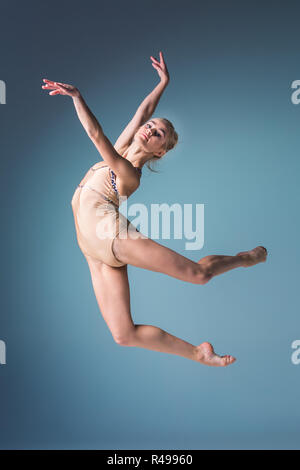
(228, 360)
(265, 253)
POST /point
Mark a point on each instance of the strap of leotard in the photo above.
(103, 166)
(139, 170)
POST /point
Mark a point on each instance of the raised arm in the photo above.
(147, 107)
(122, 167)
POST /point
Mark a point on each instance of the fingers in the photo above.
(154, 60)
(52, 87)
(161, 58)
(48, 87)
(58, 88)
(50, 82)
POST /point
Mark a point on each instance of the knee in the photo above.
(204, 274)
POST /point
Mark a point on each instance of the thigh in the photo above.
(112, 292)
(143, 252)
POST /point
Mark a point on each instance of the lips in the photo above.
(145, 136)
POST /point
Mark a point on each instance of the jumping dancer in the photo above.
(100, 227)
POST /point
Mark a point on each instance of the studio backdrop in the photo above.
(234, 100)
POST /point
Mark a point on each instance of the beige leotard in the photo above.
(95, 206)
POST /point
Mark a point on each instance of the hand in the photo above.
(161, 68)
(60, 88)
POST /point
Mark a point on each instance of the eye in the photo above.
(156, 133)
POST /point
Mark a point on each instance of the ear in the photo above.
(161, 153)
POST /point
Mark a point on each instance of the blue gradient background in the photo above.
(66, 384)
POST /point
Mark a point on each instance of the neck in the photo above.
(136, 155)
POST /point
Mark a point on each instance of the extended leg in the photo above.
(148, 254)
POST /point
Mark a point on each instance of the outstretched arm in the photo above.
(147, 107)
(85, 115)
(122, 167)
(111, 154)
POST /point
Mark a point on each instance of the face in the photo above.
(153, 136)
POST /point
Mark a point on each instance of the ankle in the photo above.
(244, 258)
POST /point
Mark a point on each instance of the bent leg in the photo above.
(112, 292)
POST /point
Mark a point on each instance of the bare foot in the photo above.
(255, 256)
(206, 355)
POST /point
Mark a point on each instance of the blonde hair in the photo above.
(172, 141)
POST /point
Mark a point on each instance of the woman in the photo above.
(100, 228)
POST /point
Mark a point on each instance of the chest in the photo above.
(113, 180)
